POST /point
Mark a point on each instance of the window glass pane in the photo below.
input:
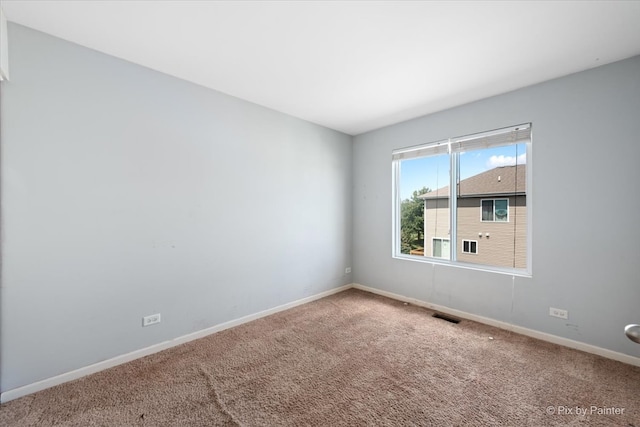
(487, 210)
(501, 210)
(446, 251)
(491, 205)
(424, 211)
(437, 248)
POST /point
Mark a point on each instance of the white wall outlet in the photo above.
(151, 320)
(347, 270)
(557, 312)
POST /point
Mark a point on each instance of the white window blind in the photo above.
(507, 136)
(430, 149)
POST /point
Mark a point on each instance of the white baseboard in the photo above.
(119, 360)
(566, 342)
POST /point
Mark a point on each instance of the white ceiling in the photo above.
(352, 66)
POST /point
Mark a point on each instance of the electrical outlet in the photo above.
(347, 270)
(557, 312)
(151, 320)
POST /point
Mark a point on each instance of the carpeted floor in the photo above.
(351, 359)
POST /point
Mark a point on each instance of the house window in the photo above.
(495, 210)
(440, 248)
(470, 246)
(453, 195)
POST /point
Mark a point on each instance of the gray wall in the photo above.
(127, 192)
(586, 209)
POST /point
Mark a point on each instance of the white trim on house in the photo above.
(469, 251)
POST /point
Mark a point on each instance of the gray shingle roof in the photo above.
(500, 181)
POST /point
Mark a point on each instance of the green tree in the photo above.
(412, 222)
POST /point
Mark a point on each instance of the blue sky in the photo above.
(433, 172)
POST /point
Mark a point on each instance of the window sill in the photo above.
(457, 264)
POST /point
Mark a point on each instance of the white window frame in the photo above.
(494, 210)
(470, 242)
(442, 239)
(451, 147)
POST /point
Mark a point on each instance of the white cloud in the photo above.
(496, 161)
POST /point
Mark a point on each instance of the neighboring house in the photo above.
(492, 219)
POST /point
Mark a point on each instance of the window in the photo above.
(452, 196)
(495, 210)
(470, 246)
(440, 248)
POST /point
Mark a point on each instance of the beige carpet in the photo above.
(351, 359)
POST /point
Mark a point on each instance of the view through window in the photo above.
(465, 199)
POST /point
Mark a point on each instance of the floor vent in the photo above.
(445, 317)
